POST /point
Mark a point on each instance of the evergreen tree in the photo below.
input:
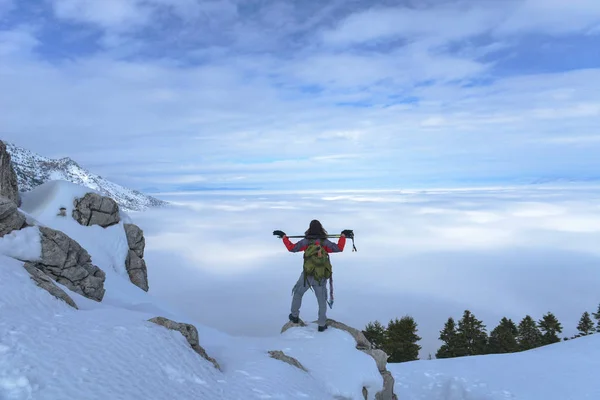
(597, 318)
(401, 340)
(503, 339)
(585, 326)
(550, 328)
(471, 336)
(529, 336)
(448, 336)
(375, 333)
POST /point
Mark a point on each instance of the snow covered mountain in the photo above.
(33, 170)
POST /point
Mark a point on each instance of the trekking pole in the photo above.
(335, 235)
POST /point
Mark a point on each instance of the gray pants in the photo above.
(320, 289)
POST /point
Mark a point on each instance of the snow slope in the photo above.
(33, 169)
(109, 350)
(562, 371)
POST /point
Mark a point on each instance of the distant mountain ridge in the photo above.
(33, 170)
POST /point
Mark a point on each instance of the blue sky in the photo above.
(309, 94)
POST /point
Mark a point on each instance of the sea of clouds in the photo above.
(431, 254)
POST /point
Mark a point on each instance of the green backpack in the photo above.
(316, 262)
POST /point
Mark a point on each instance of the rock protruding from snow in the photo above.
(65, 261)
(281, 356)
(10, 217)
(8, 177)
(362, 343)
(290, 324)
(380, 357)
(190, 333)
(44, 282)
(94, 209)
(135, 263)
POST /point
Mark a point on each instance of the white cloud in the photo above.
(554, 17)
(6, 6)
(108, 14)
(438, 23)
(18, 42)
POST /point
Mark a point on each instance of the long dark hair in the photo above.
(315, 230)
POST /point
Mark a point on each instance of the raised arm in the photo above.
(335, 248)
(295, 247)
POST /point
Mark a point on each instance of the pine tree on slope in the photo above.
(529, 336)
(597, 318)
(503, 339)
(448, 336)
(375, 333)
(585, 326)
(471, 336)
(550, 328)
(401, 340)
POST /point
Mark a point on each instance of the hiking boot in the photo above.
(322, 328)
(295, 320)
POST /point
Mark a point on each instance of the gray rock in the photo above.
(10, 217)
(290, 324)
(361, 341)
(44, 282)
(388, 388)
(135, 264)
(8, 177)
(281, 356)
(380, 358)
(94, 209)
(65, 261)
(137, 271)
(189, 332)
(135, 239)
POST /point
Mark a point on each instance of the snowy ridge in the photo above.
(33, 170)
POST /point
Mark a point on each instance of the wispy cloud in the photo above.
(226, 84)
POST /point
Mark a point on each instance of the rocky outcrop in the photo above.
(10, 217)
(69, 264)
(379, 356)
(290, 324)
(281, 356)
(94, 209)
(361, 341)
(134, 263)
(8, 177)
(190, 333)
(44, 282)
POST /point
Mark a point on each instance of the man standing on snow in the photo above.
(316, 270)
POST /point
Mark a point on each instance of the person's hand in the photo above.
(279, 234)
(348, 233)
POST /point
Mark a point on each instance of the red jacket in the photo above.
(328, 245)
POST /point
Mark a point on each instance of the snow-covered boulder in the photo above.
(134, 263)
(362, 344)
(10, 217)
(8, 177)
(95, 209)
(65, 261)
(190, 333)
(43, 281)
(380, 357)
